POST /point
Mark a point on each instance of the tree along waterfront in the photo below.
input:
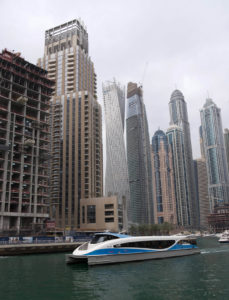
(152, 229)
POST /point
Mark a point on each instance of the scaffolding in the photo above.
(25, 93)
(219, 220)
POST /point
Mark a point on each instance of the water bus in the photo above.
(109, 248)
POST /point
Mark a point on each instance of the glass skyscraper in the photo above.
(176, 141)
(140, 210)
(179, 117)
(217, 169)
(116, 176)
(163, 180)
(226, 139)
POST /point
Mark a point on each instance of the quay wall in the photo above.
(21, 249)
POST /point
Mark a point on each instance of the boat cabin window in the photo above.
(102, 238)
(187, 242)
(148, 244)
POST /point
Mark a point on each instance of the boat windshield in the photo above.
(102, 238)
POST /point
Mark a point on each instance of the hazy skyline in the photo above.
(172, 44)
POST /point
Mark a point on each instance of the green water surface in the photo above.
(46, 276)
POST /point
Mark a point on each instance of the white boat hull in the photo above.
(121, 258)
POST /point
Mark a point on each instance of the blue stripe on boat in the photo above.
(180, 247)
(112, 251)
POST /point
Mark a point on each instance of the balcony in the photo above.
(26, 191)
(14, 201)
(3, 107)
(36, 124)
(18, 132)
(42, 174)
(44, 138)
(44, 109)
(26, 182)
(19, 122)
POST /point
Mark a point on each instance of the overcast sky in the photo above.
(164, 44)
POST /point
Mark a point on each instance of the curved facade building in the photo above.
(140, 210)
(179, 117)
(163, 180)
(116, 177)
(218, 180)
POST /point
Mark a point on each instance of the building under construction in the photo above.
(219, 220)
(25, 94)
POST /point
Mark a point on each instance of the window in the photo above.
(63, 46)
(109, 220)
(102, 238)
(109, 206)
(187, 242)
(83, 214)
(91, 217)
(160, 220)
(159, 207)
(148, 244)
(109, 213)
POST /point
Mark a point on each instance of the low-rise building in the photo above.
(99, 214)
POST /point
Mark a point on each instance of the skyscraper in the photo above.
(176, 141)
(201, 180)
(140, 210)
(217, 169)
(202, 151)
(179, 117)
(163, 180)
(25, 93)
(201, 184)
(116, 177)
(77, 165)
(226, 140)
(67, 60)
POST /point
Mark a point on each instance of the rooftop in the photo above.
(176, 95)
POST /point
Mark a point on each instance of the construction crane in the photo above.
(144, 73)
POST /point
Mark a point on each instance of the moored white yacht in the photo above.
(107, 248)
(224, 237)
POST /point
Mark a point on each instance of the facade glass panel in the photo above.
(116, 177)
(140, 209)
(179, 117)
(214, 146)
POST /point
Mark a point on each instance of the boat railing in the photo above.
(43, 240)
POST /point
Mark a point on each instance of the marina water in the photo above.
(46, 276)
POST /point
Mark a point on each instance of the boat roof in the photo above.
(119, 235)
